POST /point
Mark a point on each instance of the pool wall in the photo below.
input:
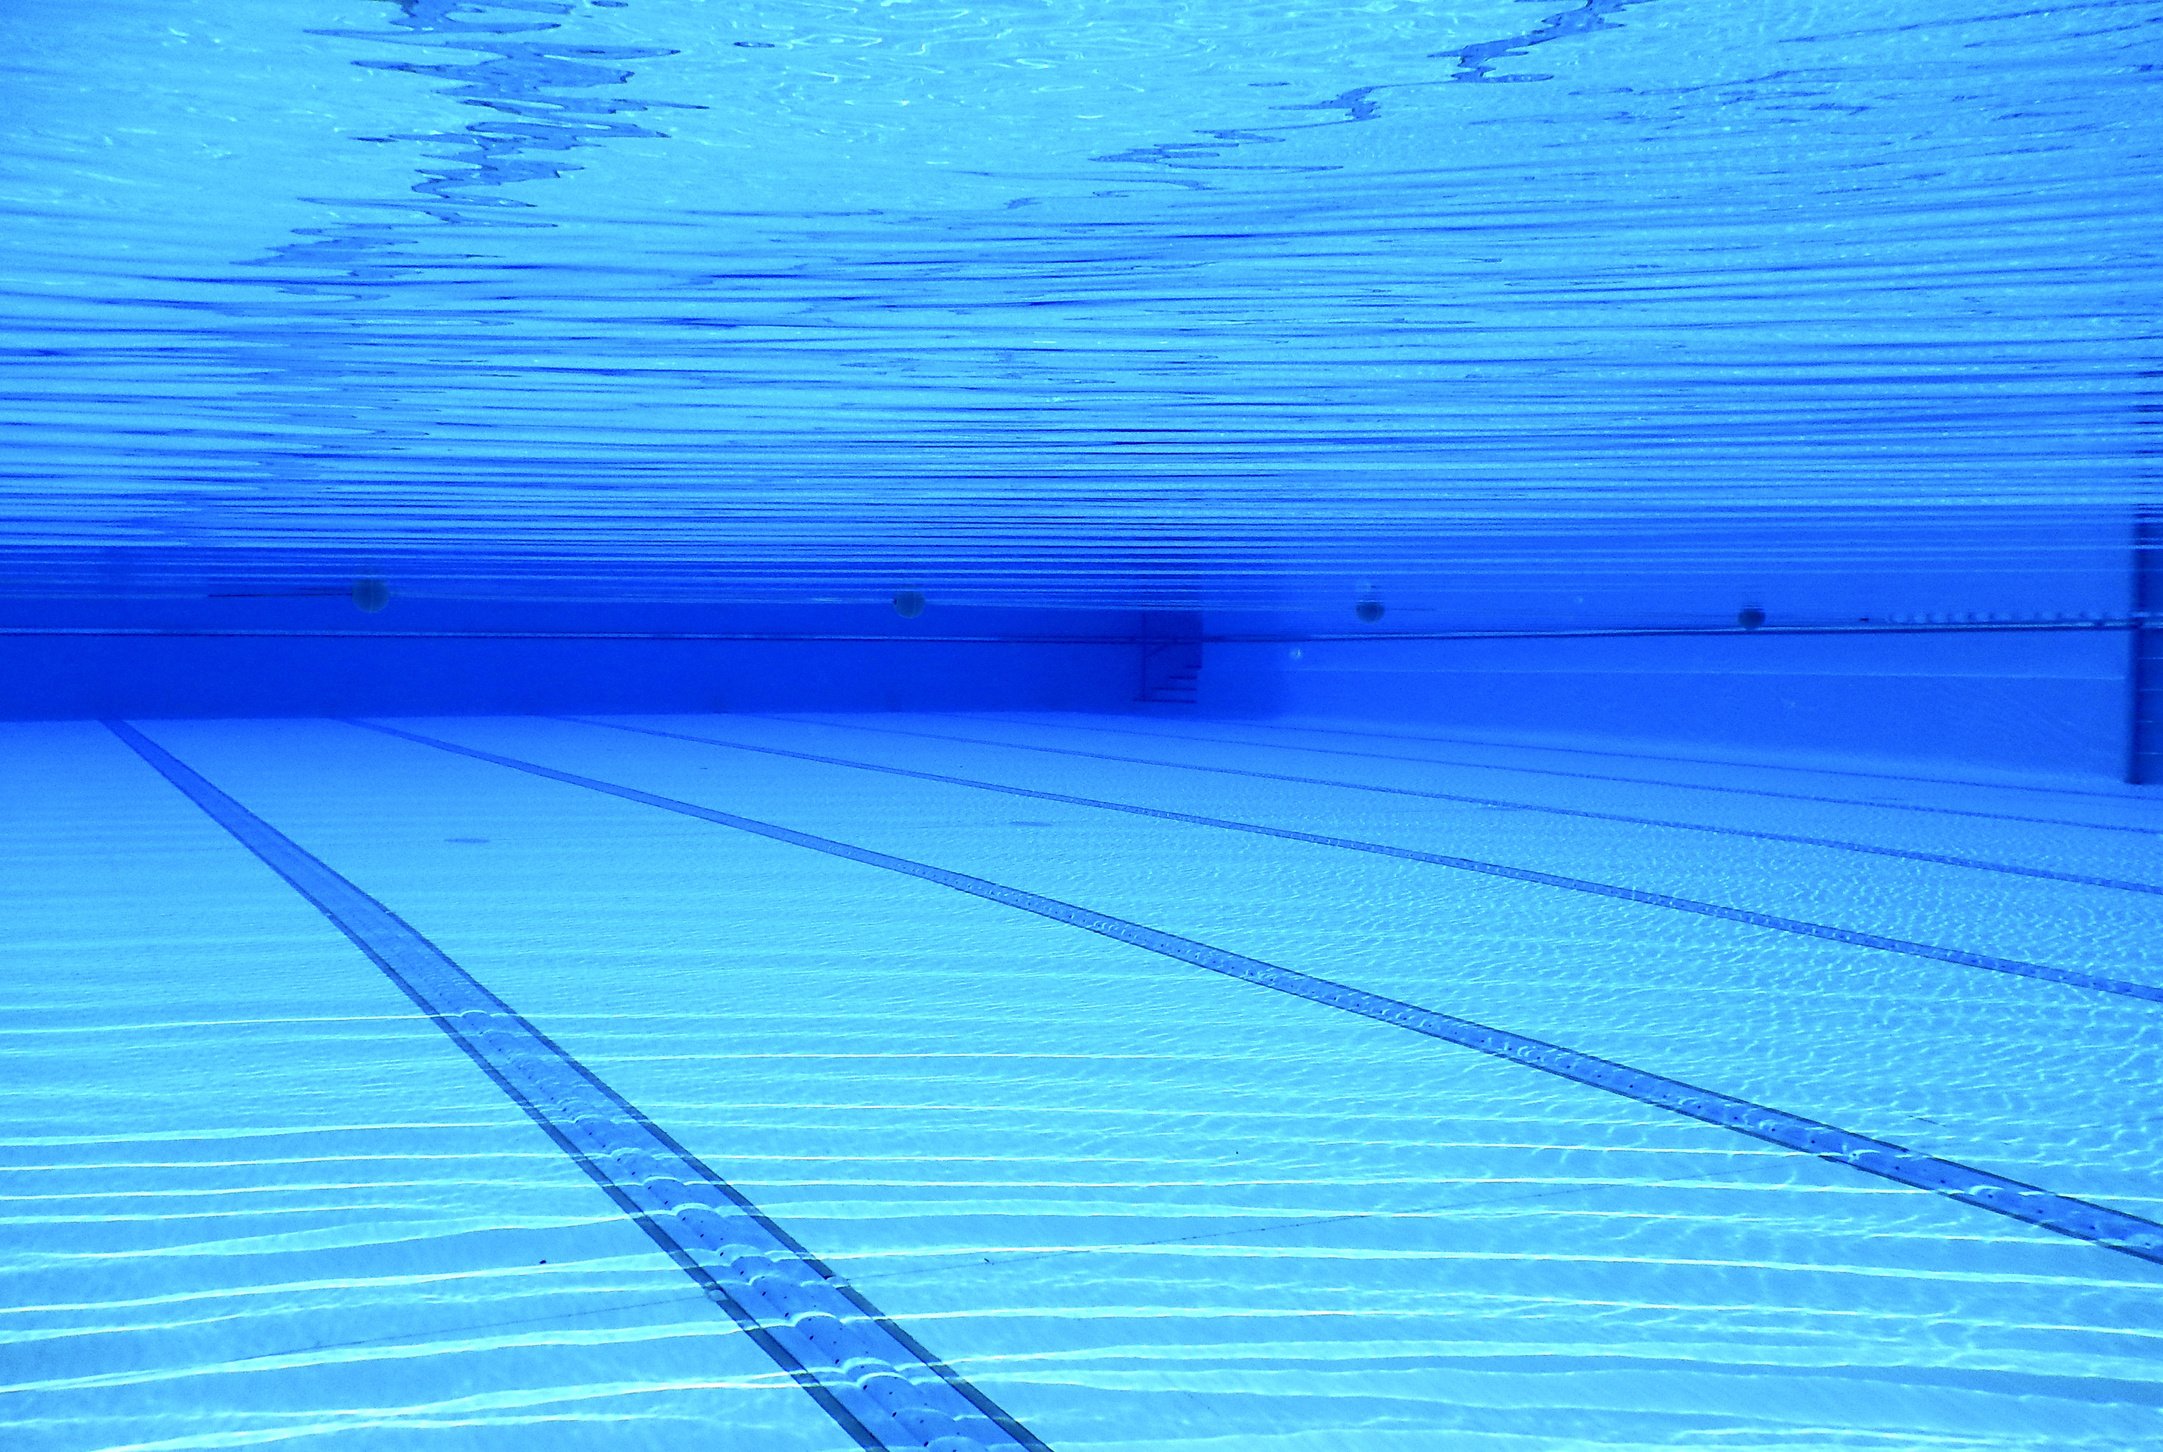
(2053, 699)
(321, 656)
(2011, 643)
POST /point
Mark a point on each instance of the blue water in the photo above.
(1512, 311)
(1088, 726)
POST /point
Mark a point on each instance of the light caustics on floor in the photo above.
(1073, 1082)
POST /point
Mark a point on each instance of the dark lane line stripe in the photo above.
(1688, 786)
(2071, 977)
(2096, 1224)
(881, 1387)
(1582, 813)
(1908, 778)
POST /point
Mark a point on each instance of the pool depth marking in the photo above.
(882, 1388)
(2071, 977)
(1837, 844)
(2097, 1224)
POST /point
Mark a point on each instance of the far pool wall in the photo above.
(1907, 636)
(2051, 702)
(325, 657)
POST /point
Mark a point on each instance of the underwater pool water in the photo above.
(1578, 311)
(965, 726)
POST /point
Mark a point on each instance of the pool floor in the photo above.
(1070, 1082)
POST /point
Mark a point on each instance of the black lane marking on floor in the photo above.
(876, 1382)
(2078, 1219)
(1688, 786)
(1582, 813)
(1908, 778)
(2071, 977)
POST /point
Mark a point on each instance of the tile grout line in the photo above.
(1708, 762)
(1692, 786)
(1547, 809)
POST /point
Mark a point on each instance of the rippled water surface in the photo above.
(1082, 303)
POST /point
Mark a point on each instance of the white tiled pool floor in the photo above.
(254, 1195)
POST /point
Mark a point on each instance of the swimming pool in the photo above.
(1088, 726)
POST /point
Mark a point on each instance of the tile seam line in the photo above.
(240, 823)
(1694, 786)
(1618, 780)
(2082, 1220)
(1579, 813)
(1691, 786)
(1773, 922)
(1705, 761)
